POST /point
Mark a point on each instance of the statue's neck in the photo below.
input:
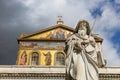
(82, 37)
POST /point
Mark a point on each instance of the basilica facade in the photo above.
(41, 56)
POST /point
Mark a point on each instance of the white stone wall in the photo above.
(32, 69)
(50, 69)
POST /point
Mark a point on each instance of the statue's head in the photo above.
(83, 25)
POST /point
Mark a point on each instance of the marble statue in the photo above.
(81, 59)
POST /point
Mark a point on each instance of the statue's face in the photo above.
(83, 24)
(82, 30)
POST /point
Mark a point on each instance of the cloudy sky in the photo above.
(19, 16)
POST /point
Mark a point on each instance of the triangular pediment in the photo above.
(57, 32)
(52, 33)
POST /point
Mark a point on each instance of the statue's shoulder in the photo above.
(92, 38)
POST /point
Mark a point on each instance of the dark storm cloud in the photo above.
(10, 11)
(13, 22)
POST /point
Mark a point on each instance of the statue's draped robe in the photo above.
(80, 64)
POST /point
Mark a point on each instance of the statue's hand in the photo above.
(85, 42)
(78, 46)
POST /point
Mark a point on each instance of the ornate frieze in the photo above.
(109, 77)
(32, 76)
(51, 76)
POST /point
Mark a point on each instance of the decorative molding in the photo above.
(32, 76)
(109, 77)
(50, 76)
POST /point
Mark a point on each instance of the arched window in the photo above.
(35, 58)
(59, 58)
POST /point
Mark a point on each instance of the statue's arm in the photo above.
(92, 41)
